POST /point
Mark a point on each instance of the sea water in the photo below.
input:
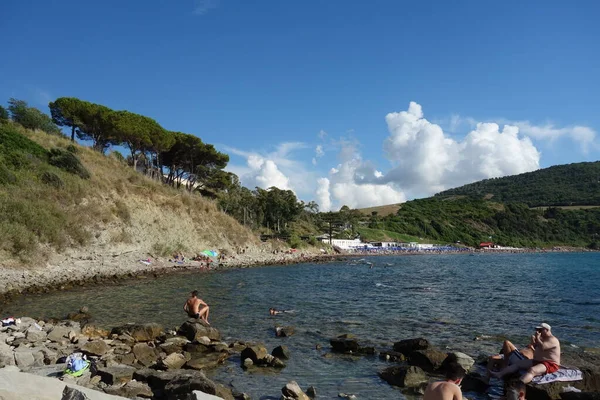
(458, 302)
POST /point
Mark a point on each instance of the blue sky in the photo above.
(344, 102)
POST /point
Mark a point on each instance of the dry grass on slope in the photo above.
(116, 210)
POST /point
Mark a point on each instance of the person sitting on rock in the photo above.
(508, 356)
(448, 389)
(196, 307)
(546, 356)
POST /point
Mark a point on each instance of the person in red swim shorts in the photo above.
(546, 356)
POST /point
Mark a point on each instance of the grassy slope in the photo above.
(117, 209)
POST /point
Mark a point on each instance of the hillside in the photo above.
(53, 207)
(561, 185)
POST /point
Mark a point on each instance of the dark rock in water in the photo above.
(407, 346)
(145, 354)
(429, 360)
(281, 352)
(272, 361)
(474, 382)
(256, 353)
(284, 331)
(117, 374)
(462, 359)
(394, 356)
(70, 393)
(311, 392)
(403, 376)
(132, 389)
(194, 329)
(344, 345)
(206, 361)
(580, 396)
(292, 391)
(139, 332)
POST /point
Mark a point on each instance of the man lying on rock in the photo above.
(196, 308)
(546, 356)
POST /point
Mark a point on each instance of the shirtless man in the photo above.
(196, 308)
(448, 389)
(546, 356)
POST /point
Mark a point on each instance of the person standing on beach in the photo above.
(196, 307)
(448, 389)
(546, 356)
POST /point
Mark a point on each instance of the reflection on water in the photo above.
(451, 300)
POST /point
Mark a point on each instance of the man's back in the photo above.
(443, 390)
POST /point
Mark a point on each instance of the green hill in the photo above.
(561, 185)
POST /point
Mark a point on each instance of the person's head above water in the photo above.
(455, 372)
(194, 293)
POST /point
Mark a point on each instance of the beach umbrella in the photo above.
(210, 253)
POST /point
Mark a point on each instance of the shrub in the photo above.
(118, 156)
(51, 179)
(12, 141)
(295, 242)
(68, 162)
(122, 211)
(3, 115)
(6, 176)
(31, 118)
(72, 149)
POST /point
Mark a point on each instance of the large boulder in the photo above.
(70, 393)
(95, 348)
(59, 333)
(173, 361)
(292, 391)
(174, 344)
(145, 354)
(182, 385)
(282, 352)
(411, 377)
(206, 361)
(132, 389)
(116, 374)
(34, 334)
(139, 332)
(344, 344)
(256, 353)
(462, 359)
(284, 331)
(428, 360)
(407, 346)
(194, 329)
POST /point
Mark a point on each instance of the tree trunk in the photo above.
(73, 134)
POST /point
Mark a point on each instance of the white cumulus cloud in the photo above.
(264, 173)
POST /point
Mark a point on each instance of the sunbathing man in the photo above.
(196, 308)
(448, 389)
(509, 355)
(546, 356)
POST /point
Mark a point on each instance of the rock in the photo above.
(282, 352)
(461, 359)
(429, 360)
(311, 392)
(70, 393)
(94, 332)
(34, 334)
(196, 348)
(131, 390)
(207, 361)
(140, 332)
(255, 353)
(198, 395)
(174, 344)
(117, 374)
(284, 331)
(194, 329)
(474, 382)
(580, 396)
(59, 333)
(404, 376)
(173, 361)
(407, 346)
(184, 384)
(394, 356)
(24, 359)
(126, 359)
(274, 362)
(95, 348)
(343, 344)
(204, 340)
(219, 347)
(145, 354)
(347, 396)
(80, 317)
(158, 380)
(247, 363)
(292, 391)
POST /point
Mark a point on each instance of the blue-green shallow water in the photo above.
(449, 299)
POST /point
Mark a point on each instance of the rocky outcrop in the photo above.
(194, 329)
(407, 346)
(403, 376)
(139, 332)
(292, 391)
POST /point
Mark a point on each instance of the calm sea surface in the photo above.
(448, 299)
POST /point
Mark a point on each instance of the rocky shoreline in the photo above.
(147, 361)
